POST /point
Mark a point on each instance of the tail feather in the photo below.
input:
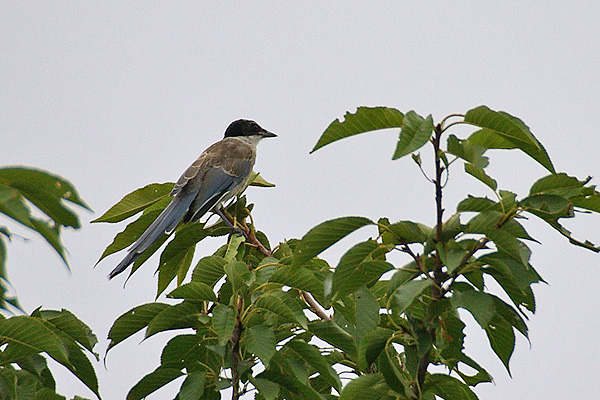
(164, 223)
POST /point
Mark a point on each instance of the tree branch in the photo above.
(314, 306)
(235, 352)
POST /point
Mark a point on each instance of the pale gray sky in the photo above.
(116, 95)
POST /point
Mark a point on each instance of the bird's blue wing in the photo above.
(164, 223)
(216, 186)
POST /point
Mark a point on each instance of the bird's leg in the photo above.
(221, 213)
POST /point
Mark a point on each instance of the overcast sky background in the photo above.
(117, 95)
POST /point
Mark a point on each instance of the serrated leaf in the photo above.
(365, 119)
(330, 332)
(371, 345)
(277, 306)
(133, 321)
(209, 270)
(513, 276)
(223, 322)
(152, 382)
(481, 176)
(48, 192)
(257, 180)
(406, 293)
(325, 235)
(415, 133)
(561, 185)
(367, 312)
(477, 204)
(177, 256)
(29, 335)
(192, 387)
(68, 323)
(504, 131)
(12, 204)
(448, 388)
(135, 202)
(495, 317)
(356, 268)
(183, 315)
(134, 230)
(290, 383)
(365, 387)
(464, 149)
(403, 232)
(299, 278)
(194, 291)
(260, 340)
(312, 356)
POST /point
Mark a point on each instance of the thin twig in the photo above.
(307, 297)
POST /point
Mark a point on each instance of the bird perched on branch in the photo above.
(219, 174)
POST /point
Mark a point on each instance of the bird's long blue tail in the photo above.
(164, 223)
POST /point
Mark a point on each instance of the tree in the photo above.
(283, 323)
(24, 371)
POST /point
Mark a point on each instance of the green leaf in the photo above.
(415, 133)
(223, 322)
(176, 258)
(29, 335)
(277, 306)
(133, 321)
(406, 293)
(312, 356)
(72, 326)
(464, 149)
(192, 387)
(257, 180)
(477, 204)
(504, 131)
(194, 291)
(152, 382)
(291, 383)
(551, 207)
(237, 272)
(183, 315)
(479, 174)
(403, 232)
(266, 388)
(371, 345)
(365, 387)
(513, 276)
(192, 352)
(448, 388)
(325, 235)
(504, 236)
(48, 192)
(13, 205)
(135, 202)
(367, 312)
(232, 247)
(209, 270)
(495, 317)
(299, 278)
(356, 269)
(260, 341)
(561, 185)
(365, 119)
(330, 332)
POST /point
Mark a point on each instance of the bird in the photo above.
(220, 173)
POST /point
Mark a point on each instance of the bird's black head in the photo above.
(246, 127)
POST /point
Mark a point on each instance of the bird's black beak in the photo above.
(266, 134)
